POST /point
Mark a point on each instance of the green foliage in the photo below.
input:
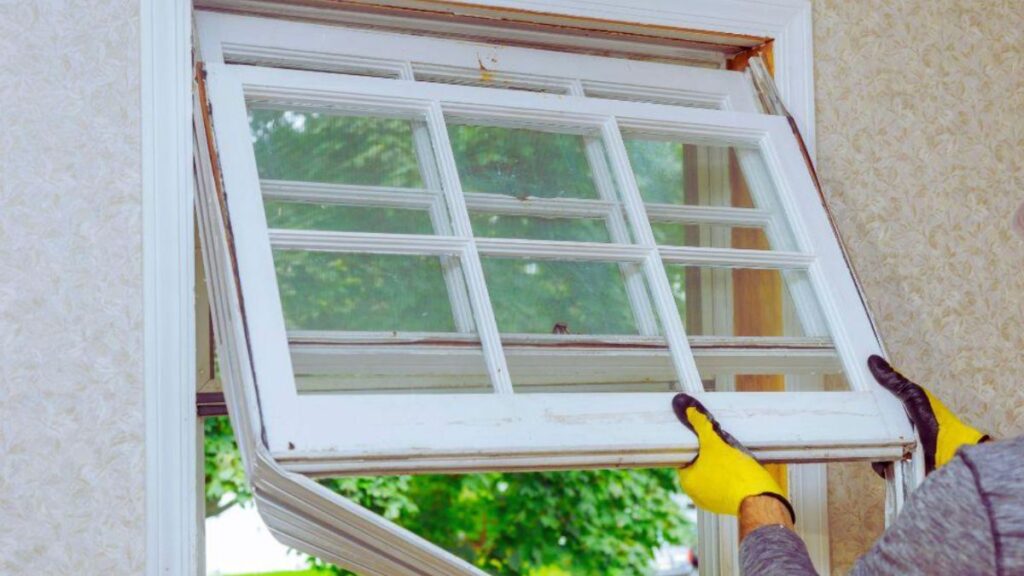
(225, 478)
(602, 522)
(521, 162)
(596, 522)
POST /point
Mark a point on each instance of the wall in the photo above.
(920, 111)
(71, 388)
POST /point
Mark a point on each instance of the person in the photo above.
(966, 518)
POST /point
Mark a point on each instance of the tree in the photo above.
(597, 522)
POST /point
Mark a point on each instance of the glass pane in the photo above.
(339, 218)
(827, 377)
(675, 172)
(709, 236)
(362, 292)
(590, 369)
(533, 228)
(558, 297)
(745, 302)
(391, 369)
(522, 163)
(319, 147)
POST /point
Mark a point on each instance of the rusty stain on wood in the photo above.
(765, 51)
(218, 182)
(486, 76)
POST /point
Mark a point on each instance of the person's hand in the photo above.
(724, 473)
(941, 432)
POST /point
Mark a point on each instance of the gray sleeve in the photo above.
(774, 551)
(943, 529)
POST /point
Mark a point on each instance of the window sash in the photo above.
(250, 40)
(435, 432)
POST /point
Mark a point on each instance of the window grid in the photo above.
(619, 201)
(487, 326)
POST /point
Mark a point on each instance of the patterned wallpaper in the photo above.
(920, 126)
(71, 390)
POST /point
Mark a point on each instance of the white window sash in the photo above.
(329, 433)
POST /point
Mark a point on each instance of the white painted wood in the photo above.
(618, 229)
(654, 269)
(781, 344)
(458, 293)
(200, 500)
(257, 282)
(752, 15)
(787, 22)
(323, 193)
(708, 544)
(371, 243)
(248, 40)
(562, 250)
(486, 324)
(543, 431)
(541, 207)
(422, 199)
(808, 483)
(734, 16)
(707, 215)
(735, 258)
(770, 135)
(171, 490)
(808, 492)
(728, 545)
(298, 511)
(456, 27)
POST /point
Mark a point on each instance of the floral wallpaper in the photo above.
(920, 128)
(71, 377)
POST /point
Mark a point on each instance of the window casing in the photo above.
(503, 427)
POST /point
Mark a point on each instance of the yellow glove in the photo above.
(941, 432)
(723, 473)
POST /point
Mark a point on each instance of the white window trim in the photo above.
(168, 267)
(168, 229)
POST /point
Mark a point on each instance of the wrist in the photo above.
(764, 510)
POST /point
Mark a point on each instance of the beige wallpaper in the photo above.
(920, 119)
(71, 403)
(920, 129)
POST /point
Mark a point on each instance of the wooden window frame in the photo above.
(167, 134)
(865, 422)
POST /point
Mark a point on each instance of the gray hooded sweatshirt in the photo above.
(966, 518)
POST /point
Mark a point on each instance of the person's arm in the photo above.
(768, 544)
(945, 519)
(944, 528)
(726, 479)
